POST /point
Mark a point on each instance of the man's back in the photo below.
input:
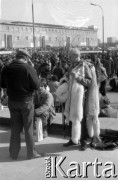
(20, 79)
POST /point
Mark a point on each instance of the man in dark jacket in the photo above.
(20, 80)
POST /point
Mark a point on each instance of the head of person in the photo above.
(54, 78)
(23, 54)
(97, 62)
(43, 83)
(74, 55)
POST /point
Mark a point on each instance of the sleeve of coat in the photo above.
(45, 106)
(2, 78)
(33, 78)
(85, 81)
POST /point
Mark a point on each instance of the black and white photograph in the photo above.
(58, 89)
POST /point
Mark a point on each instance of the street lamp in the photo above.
(33, 25)
(102, 25)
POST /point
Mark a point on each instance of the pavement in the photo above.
(57, 161)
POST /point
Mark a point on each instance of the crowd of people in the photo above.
(36, 84)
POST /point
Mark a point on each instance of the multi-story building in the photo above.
(112, 43)
(15, 34)
(111, 40)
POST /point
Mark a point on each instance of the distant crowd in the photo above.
(60, 55)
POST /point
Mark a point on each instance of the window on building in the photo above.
(12, 28)
(18, 38)
(56, 38)
(26, 37)
(49, 38)
(7, 28)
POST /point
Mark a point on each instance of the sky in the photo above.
(77, 13)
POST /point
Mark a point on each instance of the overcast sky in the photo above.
(65, 12)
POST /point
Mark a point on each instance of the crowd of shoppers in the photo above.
(31, 81)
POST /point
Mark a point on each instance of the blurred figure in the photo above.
(109, 66)
(116, 65)
(45, 70)
(58, 71)
(53, 85)
(101, 77)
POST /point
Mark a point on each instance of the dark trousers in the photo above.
(22, 114)
(102, 88)
(84, 132)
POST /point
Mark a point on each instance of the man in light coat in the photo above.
(79, 80)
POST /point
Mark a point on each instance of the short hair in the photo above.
(43, 83)
(54, 78)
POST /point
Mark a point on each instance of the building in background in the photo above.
(112, 43)
(111, 40)
(16, 34)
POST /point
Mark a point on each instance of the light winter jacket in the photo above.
(62, 92)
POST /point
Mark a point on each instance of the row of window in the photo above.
(18, 38)
(49, 30)
(62, 39)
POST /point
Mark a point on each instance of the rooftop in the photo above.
(21, 23)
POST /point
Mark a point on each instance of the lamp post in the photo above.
(33, 25)
(102, 25)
